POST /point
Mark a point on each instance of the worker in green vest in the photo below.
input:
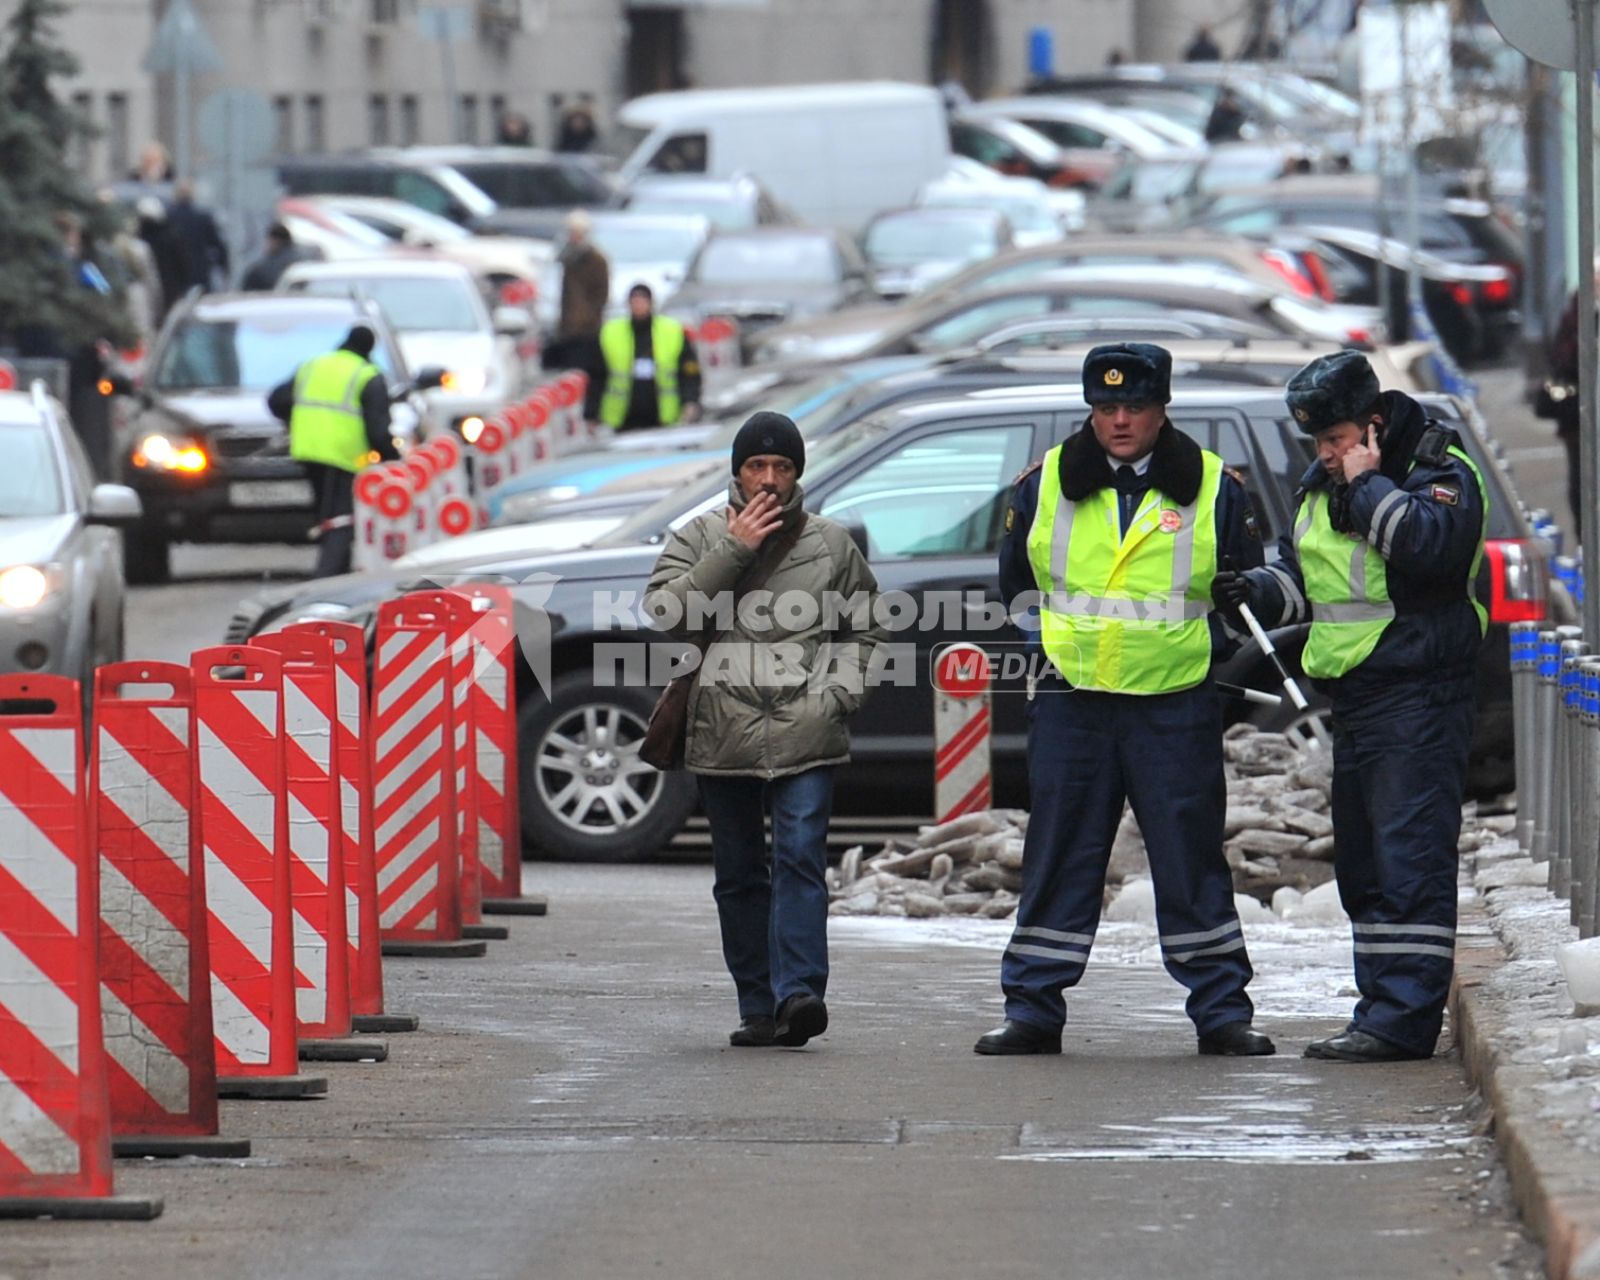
(1109, 550)
(652, 371)
(1382, 562)
(337, 408)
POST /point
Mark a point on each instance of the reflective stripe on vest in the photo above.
(326, 425)
(1347, 579)
(666, 348)
(1125, 614)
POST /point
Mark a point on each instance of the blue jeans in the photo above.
(773, 908)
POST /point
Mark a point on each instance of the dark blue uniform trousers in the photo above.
(1087, 754)
(1399, 771)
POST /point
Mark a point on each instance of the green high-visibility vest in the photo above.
(1125, 614)
(666, 348)
(326, 424)
(1347, 579)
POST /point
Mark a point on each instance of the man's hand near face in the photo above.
(757, 522)
(1363, 456)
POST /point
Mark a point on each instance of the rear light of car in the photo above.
(1519, 588)
(1289, 267)
(1358, 335)
(1499, 292)
(1462, 294)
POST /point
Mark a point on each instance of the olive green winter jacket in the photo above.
(776, 688)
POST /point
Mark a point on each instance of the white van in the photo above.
(834, 153)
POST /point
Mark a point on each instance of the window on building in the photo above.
(410, 120)
(116, 135)
(316, 128)
(378, 120)
(283, 120)
(83, 108)
(469, 118)
(385, 10)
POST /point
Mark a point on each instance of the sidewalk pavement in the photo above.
(571, 1109)
(1536, 1063)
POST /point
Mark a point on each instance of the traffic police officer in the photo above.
(652, 369)
(1386, 545)
(337, 408)
(1117, 536)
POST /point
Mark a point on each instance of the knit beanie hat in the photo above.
(768, 432)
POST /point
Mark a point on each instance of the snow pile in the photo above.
(1278, 838)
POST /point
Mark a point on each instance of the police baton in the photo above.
(1290, 687)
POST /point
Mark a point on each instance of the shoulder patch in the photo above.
(1026, 472)
(1447, 494)
(1252, 529)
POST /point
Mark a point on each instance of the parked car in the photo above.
(532, 190)
(441, 319)
(927, 481)
(1020, 151)
(428, 184)
(1035, 216)
(1056, 332)
(208, 461)
(61, 579)
(499, 259)
(762, 278)
(1083, 125)
(737, 203)
(641, 248)
(911, 250)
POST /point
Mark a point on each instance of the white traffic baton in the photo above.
(1297, 699)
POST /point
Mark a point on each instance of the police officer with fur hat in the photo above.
(1385, 548)
(1111, 546)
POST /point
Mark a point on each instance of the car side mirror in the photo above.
(511, 322)
(115, 505)
(427, 379)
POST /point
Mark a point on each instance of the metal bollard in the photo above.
(1586, 854)
(1563, 827)
(1524, 677)
(1544, 754)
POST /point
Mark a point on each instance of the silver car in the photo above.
(61, 583)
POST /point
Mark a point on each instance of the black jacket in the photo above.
(1175, 470)
(1426, 521)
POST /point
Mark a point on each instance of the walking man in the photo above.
(767, 715)
(585, 290)
(1117, 535)
(337, 408)
(1386, 545)
(652, 370)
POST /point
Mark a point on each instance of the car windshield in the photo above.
(778, 259)
(1150, 181)
(536, 186)
(822, 458)
(909, 239)
(408, 303)
(1024, 212)
(621, 242)
(254, 354)
(30, 482)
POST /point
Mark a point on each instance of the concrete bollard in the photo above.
(1544, 755)
(1569, 782)
(1524, 678)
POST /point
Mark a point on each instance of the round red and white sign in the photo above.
(962, 671)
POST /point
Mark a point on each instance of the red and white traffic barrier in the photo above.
(567, 391)
(962, 777)
(354, 766)
(383, 504)
(55, 1113)
(717, 342)
(493, 781)
(155, 977)
(244, 824)
(419, 893)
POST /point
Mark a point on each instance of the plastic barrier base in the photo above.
(263, 1087)
(213, 1147)
(438, 950)
(489, 932)
(82, 1208)
(529, 906)
(383, 1023)
(343, 1051)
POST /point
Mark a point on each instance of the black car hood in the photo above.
(197, 412)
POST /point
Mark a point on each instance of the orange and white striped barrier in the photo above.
(383, 505)
(962, 778)
(316, 866)
(55, 1113)
(567, 392)
(717, 342)
(244, 824)
(419, 894)
(354, 764)
(155, 979)
(493, 781)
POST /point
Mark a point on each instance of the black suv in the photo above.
(928, 482)
(209, 462)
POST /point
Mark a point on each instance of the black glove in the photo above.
(1229, 590)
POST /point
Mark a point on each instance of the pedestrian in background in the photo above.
(585, 291)
(202, 255)
(280, 254)
(1559, 400)
(652, 371)
(764, 735)
(1227, 120)
(337, 408)
(1117, 534)
(1202, 48)
(513, 130)
(578, 131)
(1387, 540)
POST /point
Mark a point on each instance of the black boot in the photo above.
(753, 1033)
(1237, 1040)
(1359, 1046)
(1018, 1037)
(799, 1018)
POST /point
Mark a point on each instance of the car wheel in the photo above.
(147, 557)
(586, 795)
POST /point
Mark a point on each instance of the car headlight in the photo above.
(471, 428)
(160, 452)
(466, 382)
(23, 586)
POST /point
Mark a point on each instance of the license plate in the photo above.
(270, 493)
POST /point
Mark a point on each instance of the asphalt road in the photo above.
(570, 1108)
